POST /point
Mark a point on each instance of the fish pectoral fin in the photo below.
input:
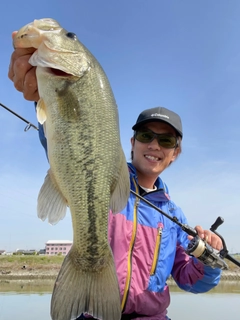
(51, 202)
(41, 111)
(121, 192)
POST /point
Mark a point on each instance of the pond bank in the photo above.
(35, 274)
(45, 267)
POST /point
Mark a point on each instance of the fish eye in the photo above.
(71, 35)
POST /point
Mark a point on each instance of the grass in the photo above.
(44, 262)
(36, 262)
(33, 259)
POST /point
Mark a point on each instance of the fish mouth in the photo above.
(45, 35)
(53, 70)
(59, 73)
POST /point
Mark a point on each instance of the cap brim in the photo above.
(141, 123)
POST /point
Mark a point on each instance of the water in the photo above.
(25, 306)
(204, 307)
(27, 300)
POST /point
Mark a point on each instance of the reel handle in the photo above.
(217, 223)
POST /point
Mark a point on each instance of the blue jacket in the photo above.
(148, 248)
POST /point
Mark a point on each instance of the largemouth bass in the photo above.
(88, 170)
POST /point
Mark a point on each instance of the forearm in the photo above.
(192, 275)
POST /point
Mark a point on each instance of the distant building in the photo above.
(7, 253)
(58, 246)
(25, 252)
(19, 251)
(2, 252)
(30, 252)
(42, 251)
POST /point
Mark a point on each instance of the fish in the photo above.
(88, 171)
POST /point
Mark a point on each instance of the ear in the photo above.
(132, 140)
(176, 153)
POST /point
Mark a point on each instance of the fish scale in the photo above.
(88, 170)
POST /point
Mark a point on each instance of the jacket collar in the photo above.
(161, 194)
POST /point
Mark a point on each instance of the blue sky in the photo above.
(183, 55)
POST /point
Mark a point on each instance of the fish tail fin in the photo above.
(93, 292)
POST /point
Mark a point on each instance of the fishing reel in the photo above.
(206, 254)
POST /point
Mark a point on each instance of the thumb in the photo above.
(13, 34)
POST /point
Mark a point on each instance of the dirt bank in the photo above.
(51, 272)
(30, 267)
(44, 267)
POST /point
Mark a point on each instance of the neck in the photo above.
(146, 182)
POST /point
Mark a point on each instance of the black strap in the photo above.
(131, 316)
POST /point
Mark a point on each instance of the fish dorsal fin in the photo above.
(121, 192)
(41, 111)
(51, 202)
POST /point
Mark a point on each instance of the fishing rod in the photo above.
(198, 247)
(29, 124)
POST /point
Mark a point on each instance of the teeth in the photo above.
(152, 158)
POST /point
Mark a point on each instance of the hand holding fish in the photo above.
(22, 73)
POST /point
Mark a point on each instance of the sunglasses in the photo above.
(165, 140)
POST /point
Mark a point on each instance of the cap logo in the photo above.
(159, 115)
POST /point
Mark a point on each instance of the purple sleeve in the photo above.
(192, 275)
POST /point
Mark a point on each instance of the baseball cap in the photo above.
(159, 114)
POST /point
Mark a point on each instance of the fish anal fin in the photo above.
(51, 203)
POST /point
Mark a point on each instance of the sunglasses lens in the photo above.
(167, 141)
(164, 140)
(144, 137)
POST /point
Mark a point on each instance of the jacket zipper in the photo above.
(156, 251)
(134, 232)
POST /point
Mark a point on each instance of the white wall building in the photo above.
(58, 246)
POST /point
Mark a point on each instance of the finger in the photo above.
(27, 84)
(24, 79)
(13, 36)
(213, 240)
(19, 70)
(200, 231)
(31, 95)
(207, 236)
(23, 55)
(10, 69)
(14, 33)
(30, 88)
(216, 242)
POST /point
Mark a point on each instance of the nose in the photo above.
(154, 145)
